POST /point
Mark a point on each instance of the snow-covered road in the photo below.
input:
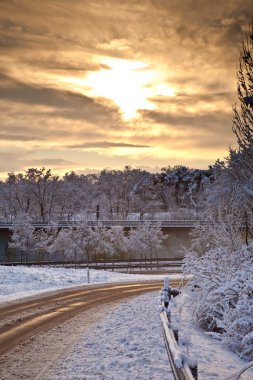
(20, 281)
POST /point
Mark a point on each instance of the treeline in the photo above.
(110, 194)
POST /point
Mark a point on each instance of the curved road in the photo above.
(24, 319)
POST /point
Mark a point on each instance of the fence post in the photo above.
(166, 292)
(88, 275)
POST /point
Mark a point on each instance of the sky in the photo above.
(93, 84)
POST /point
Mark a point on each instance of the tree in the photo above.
(46, 238)
(237, 169)
(116, 241)
(84, 240)
(77, 196)
(240, 162)
(181, 187)
(23, 236)
(43, 185)
(16, 196)
(146, 239)
(219, 261)
(243, 118)
(32, 193)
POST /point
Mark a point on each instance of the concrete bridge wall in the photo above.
(178, 238)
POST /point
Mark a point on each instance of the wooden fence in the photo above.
(183, 367)
(113, 264)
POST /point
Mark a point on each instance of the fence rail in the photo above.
(113, 264)
(183, 367)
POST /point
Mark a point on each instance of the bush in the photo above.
(221, 295)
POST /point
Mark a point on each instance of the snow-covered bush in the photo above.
(221, 295)
(238, 320)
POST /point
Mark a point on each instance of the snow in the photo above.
(125, 341)
(215, 361)
(19, 281)
(125, 344)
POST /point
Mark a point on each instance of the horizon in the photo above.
(87, 171)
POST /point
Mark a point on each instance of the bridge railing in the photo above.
(112, 223)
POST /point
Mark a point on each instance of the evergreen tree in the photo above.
(243, 118)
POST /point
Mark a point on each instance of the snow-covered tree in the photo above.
(180, 186)
(23, 236)
(221, 258)
(145, 240)
(85, 241)
(62, 245)
(46, 238)
(116, 241)
(238, 167)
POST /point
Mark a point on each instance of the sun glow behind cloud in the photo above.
(115, 89)
(129, 84)
(125, 82)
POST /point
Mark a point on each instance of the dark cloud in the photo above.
(16, 137)
(106, 145)
(62, 104)
(207, 121)
(183, 100)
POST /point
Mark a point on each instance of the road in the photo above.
(26, 318)
(21, 323)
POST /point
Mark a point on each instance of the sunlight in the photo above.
(131, 85)
(127, 83)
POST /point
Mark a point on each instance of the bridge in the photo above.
(113, 223)
(178, 232)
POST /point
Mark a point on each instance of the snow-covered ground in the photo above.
(127, 344)
(19, 281)
(214, 360)
(126, 341)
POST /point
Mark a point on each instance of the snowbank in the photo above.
(215, 361)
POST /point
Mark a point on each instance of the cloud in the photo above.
(16, 137)
(20, 92)
(106, 145)
(203, 120)
(50, 113)
(46, 55)
(49, 162)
